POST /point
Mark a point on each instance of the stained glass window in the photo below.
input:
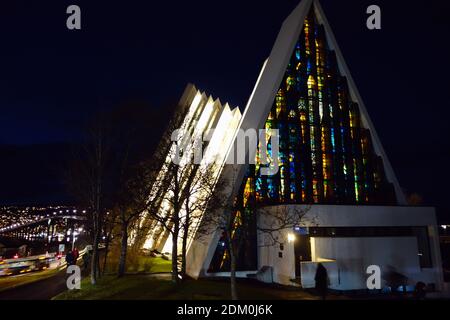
(326, 155)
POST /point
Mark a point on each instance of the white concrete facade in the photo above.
(205, 119)
(349, 257)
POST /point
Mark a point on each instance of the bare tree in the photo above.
(274, 220)
(132, 129)
(86, 179)
(199, 194)
(222, 219)
(131, 208)
(168, 215)
(188, 191)
(103, 174)
(225, 218)
(110, 221)
(181, 189)
(165, 198)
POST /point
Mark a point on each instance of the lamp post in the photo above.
(74, 238)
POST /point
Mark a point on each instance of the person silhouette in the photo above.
(321, 279)
(69, 258)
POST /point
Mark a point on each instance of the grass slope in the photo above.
(147, 287)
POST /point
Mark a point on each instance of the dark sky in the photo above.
(52, 79)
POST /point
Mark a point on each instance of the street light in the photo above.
(74, 238)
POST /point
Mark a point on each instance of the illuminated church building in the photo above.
(331, 164)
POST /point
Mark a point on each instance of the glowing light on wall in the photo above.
(291, 237)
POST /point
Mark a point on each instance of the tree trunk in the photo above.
(234, 295)
(105, 258)
(183, 254)
(123, 249)
(176, 227)
(99, 273)
(94, 259)
(184, 244)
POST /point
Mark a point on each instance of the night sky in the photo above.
(52, 79)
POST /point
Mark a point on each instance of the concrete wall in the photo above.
(200, 254)
(350, 256)
(353, 255)
(283, 267)
(308, 271)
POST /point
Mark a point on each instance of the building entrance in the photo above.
(302, 249)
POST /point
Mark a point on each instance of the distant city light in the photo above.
(38, 219)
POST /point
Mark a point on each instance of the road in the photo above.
(40, 290)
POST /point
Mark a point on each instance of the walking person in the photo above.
(76, 255)
(86, 259)
(321, 279)
(69, 258)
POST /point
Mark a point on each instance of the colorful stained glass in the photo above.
(326, 155)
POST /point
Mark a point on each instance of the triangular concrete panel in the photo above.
(261, 101)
